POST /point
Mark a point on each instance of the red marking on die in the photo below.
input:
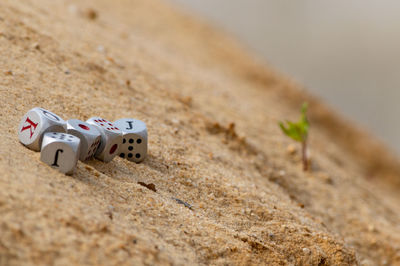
(84, 127)
(31, 124)
(113, 148)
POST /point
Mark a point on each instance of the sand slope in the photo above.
(212, 114)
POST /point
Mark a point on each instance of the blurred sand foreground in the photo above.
(212, 115)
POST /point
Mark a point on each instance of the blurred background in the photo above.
(347, 52)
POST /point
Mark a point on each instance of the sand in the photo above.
(221, 185)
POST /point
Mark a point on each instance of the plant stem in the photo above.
(304, 155)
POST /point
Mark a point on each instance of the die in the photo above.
(35, 123)
(134, 143)
(111, 139)
(60, 151)
(88, 134)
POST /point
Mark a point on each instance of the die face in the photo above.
(92, 149)
(110, 150)
(133, 148)
(60, 151)
(87, 129)
(88, 134)
(30, 127)
(111, 138)
(134, 143)
(130, 125)
(51, 116)
(61, 137)
(104, 125)
(35, 123)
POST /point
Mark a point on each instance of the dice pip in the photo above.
(111, 138)
(88, 134)
(134, 143)
(60, 151)
(35, 123)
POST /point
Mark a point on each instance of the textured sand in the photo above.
(227, 190)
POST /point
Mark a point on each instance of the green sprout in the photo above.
(299, 132)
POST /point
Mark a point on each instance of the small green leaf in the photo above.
(297, 131)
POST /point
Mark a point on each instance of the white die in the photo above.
(88, 134)
(35, 123)
(111, 138)
(60, 151)
(134, 143)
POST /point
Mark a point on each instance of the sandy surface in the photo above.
(214, 144)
